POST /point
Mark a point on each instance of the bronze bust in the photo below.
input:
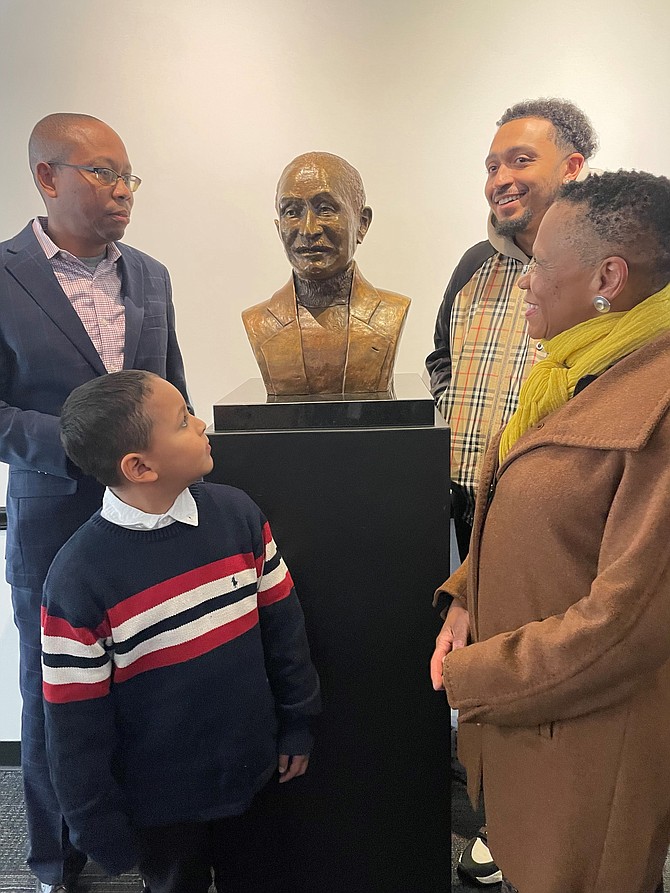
(327, 331)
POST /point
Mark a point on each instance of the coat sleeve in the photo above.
(454, 587)
(30, 440)
(608, 644)
(438, 363)
(293, 679)
(80, 729)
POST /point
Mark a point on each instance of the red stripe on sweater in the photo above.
(267, 538)
(74, 691)
(276, 593)
(162, 592)
(177, 654)
(56, 626)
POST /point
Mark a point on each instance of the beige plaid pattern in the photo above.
(491, 356)
(95, 295)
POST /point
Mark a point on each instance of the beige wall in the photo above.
(213, 97)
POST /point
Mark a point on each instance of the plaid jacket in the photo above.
(482, 354)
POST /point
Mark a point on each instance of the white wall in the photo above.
(214, 97)
(10, 699)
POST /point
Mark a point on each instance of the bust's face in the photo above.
(318, 223)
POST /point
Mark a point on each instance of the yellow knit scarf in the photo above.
(586, 349)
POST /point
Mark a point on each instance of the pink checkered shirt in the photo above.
(96, 296)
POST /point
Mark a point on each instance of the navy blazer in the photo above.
(45, 353)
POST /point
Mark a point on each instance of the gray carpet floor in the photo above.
(15, 877)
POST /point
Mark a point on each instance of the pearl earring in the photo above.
(601, 304)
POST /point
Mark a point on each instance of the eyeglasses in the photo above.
(104, 175)
(529, 267)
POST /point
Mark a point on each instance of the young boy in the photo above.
(177, 675)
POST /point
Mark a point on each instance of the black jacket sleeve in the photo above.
(438, 363)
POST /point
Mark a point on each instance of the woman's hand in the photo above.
(453, 635)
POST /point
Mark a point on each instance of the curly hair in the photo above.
(104, 419)
(628, 211)
(574, 131)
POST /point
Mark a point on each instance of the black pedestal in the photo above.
(361, 516)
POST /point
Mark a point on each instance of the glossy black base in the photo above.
(362, 518)
(249, 408)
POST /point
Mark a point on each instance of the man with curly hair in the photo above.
(482, 351)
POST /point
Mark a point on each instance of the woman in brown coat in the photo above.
(564, 693)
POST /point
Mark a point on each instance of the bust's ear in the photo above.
(363, 224)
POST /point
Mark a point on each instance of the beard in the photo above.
(511, 228)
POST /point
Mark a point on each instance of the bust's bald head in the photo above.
(321, 213)
(346, 174)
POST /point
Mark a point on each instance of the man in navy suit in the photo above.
(74, 304)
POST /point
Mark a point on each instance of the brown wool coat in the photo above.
(564, 695)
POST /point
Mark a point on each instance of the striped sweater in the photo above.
(176, 668)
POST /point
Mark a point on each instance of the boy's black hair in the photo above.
(104, 419)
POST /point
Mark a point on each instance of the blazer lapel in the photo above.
(132, 290)
(28, 264)
(283, 352)
(367, 348)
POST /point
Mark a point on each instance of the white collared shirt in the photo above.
(183, 509)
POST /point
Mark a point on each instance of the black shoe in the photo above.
(74, 865)
(476, 862)
(75, 862)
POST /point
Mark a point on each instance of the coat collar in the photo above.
(362, 304)
(618, 411)
(133, 292)
(367, 347)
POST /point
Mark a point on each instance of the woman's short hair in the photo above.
(629, 211)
